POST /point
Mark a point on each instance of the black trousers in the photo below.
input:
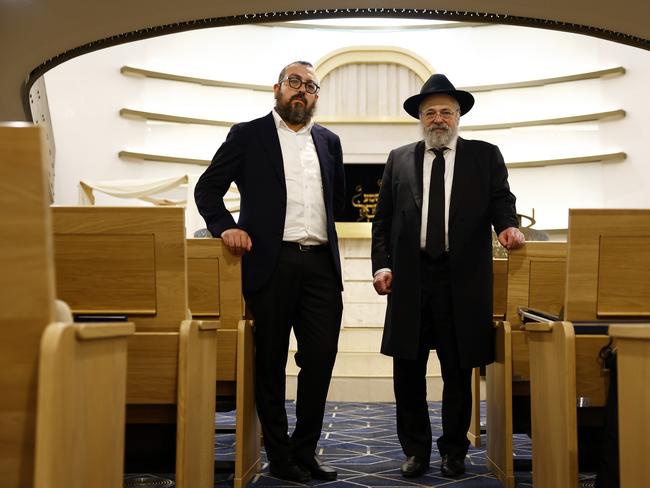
(303, 293)
(409, 376)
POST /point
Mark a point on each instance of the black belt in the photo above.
(306, 247)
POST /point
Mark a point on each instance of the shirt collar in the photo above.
(451, 146)
(279, 123)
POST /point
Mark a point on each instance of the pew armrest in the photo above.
(81, 400)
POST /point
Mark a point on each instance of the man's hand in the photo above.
(382, 282)
(237, 241)
(511, 238)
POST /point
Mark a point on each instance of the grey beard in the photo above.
(438, 140)
(295, 114)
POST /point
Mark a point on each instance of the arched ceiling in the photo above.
(32, 32)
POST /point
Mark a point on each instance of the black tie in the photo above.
(435, 245)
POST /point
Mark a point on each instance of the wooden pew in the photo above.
(97, 247)
(535, 278)
(633, 365)
(132, 262)
(214, 280)
(214, 293)
(499, 288)
(26, 295)
(45, 365)
(608, 280)
(499, 285)
(81, 400)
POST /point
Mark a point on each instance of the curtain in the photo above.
(146, 190)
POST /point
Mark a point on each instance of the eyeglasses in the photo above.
(445, 114)
(295, 83)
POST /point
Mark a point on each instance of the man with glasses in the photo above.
(289, 172)
(432, 256)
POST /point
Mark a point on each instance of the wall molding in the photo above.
(162, 159)
(323, 67)
(178, 119)
(145, 73)
(316, 26)
(589, 75)
(594, 158)
(573, 119)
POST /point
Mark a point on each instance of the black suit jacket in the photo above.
(251, 157)
(480, 199)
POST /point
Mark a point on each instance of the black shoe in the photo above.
(317, 469)
(414, 466)
(452, 466)
(289, 471)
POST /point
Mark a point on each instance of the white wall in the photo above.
(87, 93)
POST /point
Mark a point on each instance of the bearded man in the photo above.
(432, 256)
(289, 172)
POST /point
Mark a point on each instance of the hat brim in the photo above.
(465, 101)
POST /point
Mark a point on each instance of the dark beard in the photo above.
(295, 114)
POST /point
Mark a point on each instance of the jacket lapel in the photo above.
(318, 135)
(417, 174)
(460, 174)
(268, 136)
(322, 151)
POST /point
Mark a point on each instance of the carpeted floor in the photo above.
(360, 441)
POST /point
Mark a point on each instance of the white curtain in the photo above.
(367, 90)
(146, 190)
(141, 189)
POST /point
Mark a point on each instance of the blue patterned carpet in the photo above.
(360, 441)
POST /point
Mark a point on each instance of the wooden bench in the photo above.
(214, 280)
(499, 285)
(633, 365)
(81, 400)
(26, 296)
(608, 280)
(62, 389)
(121, 261)
(535, 278)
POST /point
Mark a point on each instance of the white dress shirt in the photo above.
(305, 220)
(450, 158)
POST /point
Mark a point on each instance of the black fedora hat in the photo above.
(438, 84)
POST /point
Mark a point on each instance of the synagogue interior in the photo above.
(124, 320)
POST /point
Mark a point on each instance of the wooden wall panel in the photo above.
(91, 271)
(624, 279)
(137, 238)
(205, 256)
(593, 232)
(547, 281)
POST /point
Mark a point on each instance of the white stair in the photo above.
(361, 372)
